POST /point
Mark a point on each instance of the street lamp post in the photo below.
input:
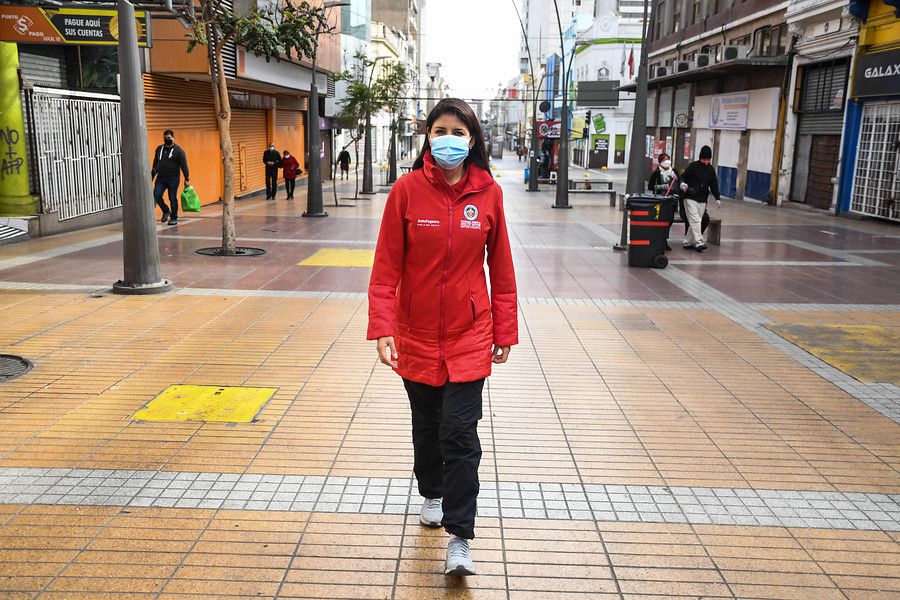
(562, 170)
(140, 246)
(314, 202)
(635, 182)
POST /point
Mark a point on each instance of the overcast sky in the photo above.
(476, 42)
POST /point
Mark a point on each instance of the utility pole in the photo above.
(314, 202)
(562, 170)
(635, 182)
(139, 241)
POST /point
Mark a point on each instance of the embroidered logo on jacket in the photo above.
(428, 223)
(471, 212)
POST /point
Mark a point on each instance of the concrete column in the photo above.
(15, 193)
(139, 242)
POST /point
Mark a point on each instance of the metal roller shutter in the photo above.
(822, 99)
(179, 116)
(248, 134)
(821, 123)
(44, 65)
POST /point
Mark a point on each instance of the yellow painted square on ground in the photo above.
(206, 403)
(869, 353)
(340, 257)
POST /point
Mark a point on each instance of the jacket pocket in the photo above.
(473, 310)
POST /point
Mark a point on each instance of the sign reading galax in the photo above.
(877, 74)
(79, 26)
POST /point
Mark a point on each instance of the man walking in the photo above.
(344, 162)
(697, 182)
(272, 160)
(169, 161)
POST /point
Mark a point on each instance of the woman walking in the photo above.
(664, 181)
(430, 312)
(291, 169)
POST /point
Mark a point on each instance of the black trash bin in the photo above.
(648, 218)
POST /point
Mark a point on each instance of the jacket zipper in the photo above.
(444, 272)
(446, 268)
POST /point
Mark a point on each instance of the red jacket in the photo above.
(291, 167)
(428, 286)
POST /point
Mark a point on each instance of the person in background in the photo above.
(697, 182)
(291, 169)
(520, 150)
(169, 162)
(344, 162)
(664, 181)
(272, 160)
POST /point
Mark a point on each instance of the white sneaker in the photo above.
(432, 512)
(459, 562)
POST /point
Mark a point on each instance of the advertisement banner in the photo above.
(548, 129)
(687, 146)
(77, 26)
(729, 111)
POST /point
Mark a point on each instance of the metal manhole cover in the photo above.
(13, 366)
(239, 251)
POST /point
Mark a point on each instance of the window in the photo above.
(660, 14)
(774, 41)
(740, 41)
(676, 18)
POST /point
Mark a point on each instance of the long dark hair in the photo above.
(461, 109)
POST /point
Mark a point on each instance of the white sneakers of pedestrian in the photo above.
(459, 562)
(432, 512)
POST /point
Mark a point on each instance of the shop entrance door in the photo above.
(876, 178)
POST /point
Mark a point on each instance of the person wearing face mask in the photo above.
(432, 316)
(272, 160)
(697, 182)
(663, 181)
(291, 169)
(169, 162)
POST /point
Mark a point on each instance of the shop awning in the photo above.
(723, 69)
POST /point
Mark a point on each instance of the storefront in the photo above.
(740, 128)
(820, 120)
(870, 177)
(876, 175)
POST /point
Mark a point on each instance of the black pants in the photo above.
(271, 181)
(171, 186)
(289, 187)
(446, 448)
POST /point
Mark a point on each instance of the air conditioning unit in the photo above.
(684, 65)
(705, 59)
(660, 72)
(735, 52)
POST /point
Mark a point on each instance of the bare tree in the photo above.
(285, 30)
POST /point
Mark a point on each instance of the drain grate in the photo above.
(13, 366)
(239, 251)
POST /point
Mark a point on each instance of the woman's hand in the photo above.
(387, 352)
(500, 355)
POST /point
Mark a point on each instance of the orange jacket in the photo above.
(428, 287)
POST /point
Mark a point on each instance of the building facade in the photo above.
(814, 121)
(75, 177)
(606, 56)
(718, 76)
(869, 183)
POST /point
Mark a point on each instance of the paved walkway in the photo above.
(708, 430)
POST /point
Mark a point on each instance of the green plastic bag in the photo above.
(189, 200)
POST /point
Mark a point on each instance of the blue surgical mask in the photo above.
(449, 151)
